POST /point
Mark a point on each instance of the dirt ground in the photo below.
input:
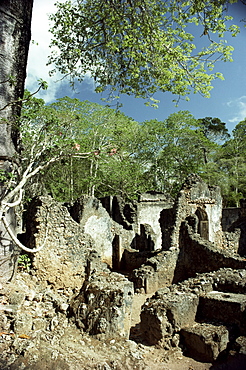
(174, 360)
(68, 348)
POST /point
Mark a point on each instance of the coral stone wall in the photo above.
(149, 209)
(61, 262)
(203, 203)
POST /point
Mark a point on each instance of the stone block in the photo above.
(205, 341)
(228, 308)
(104, 306)
(156, 272)
(240, 345)
(164, 315)
(23, 324)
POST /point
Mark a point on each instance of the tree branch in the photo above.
(18, 243)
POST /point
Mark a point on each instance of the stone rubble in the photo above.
(70, 305)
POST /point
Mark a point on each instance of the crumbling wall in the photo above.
(234, 227)
(231, 240)
(142, 217)
(176, 313)
(106, 233)
(70, 283)
(61, 262)
(203, 203)
(194, 255)
(157, 271)
(149, 208)
(197, 255)
(120, 211)
(229, 215)
(103, 307)
(40, 321)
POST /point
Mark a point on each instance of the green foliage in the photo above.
(141, 46)
(43, 84)
(213, 128)
(6, 176)
(232, 161)
(24, 262)
(175, 147)
(99, 151)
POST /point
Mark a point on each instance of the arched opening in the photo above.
(203, 227)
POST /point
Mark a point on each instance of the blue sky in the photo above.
(228, 97)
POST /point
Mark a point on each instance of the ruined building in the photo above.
(187, 252)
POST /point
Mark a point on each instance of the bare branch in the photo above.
(18, 243)
(22, 100)
(16, 203)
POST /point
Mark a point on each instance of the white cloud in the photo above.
(239, 107)
(38, 54)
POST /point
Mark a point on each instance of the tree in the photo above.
(214, 131)
(96, 150)
(108, 138)
(15, 32)
(232, 162)
(50, 135)
(141, 46)
(173, 149)
(213, 128)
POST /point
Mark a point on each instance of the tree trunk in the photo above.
(15, 34)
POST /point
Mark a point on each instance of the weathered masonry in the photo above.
(188, 252)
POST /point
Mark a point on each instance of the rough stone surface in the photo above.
(73, 294)
(103, 308)
(229, 216)
(226, 307)
(96, 221)
(156, 272)
(122, 213)
(194, 255)
(239, 227)
(205, 341)
(201, 201)
(198, 255)
(149, 208)
(165, 314)
(240, 345)
(61, 263)
(179, 306)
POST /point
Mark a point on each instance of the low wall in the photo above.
(198, 255)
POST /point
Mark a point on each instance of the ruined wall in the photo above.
(123, 213)
(77, 229)
(202, 313)
(104, 231)
(197, 255)
(237, 231)
(69, 283)
(71, 266)
(142, 217)
(149, 208)
(203, 203)
(156, 272)
(229, 215)
(61, 262)
(104, 305)
(71, 233)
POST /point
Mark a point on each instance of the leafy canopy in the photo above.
(141, 46)
(213, 128)
(72, 147)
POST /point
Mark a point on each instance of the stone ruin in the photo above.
(189, 253)
(205, 314)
